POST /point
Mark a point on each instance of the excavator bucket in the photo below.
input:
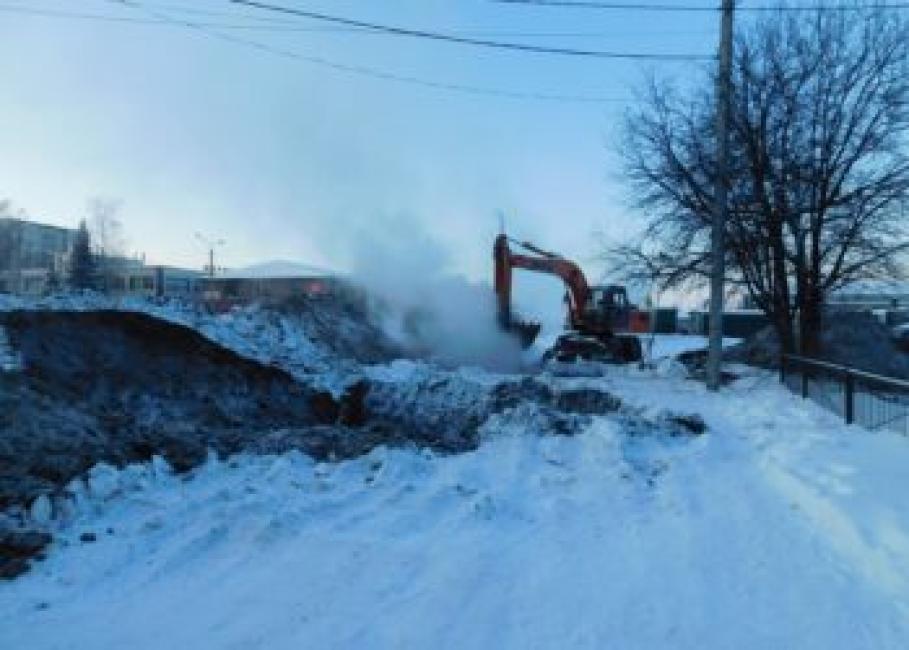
(525, 331)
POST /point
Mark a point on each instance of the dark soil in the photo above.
(121, 387)
(854, 339)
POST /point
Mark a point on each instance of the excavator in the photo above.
(599, 317)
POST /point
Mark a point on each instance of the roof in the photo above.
(35, 224)
(276, 269)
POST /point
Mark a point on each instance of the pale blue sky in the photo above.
(285, 159)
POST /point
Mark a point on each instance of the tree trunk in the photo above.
(810, 322)
(783, 326)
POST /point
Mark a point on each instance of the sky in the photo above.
(286, 159)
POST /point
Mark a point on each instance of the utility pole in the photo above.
(721, 210)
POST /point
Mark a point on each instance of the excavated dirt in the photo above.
(857, 340)
(120, 387)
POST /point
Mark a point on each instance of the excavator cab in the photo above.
(608, 307)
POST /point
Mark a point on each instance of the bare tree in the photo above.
(818, 166)
(11, 245)
(108, 241)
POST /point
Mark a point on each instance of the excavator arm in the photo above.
(544, 262)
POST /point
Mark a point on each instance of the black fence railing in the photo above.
(872, 401)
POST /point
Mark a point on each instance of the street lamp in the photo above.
(210, 244)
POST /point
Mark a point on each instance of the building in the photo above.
(154, 282)
(269, 283)
(739, 323)
(871, 295)
(887, 300)
(34, 257)
(35, 260)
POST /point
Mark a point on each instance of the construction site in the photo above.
(502, 324)
(325, 417)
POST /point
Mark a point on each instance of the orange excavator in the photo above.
(598, 319)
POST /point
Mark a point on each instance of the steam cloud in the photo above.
(426, 307)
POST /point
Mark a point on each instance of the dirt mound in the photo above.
(853, 339)
(344, 326)
(120, 387)
(862, 341)
(117, 387)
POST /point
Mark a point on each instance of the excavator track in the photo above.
(573, 347)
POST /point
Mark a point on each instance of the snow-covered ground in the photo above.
(779, 528)
(661, 346)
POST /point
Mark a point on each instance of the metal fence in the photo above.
(872, 401)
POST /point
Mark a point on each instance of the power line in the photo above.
(56, 13)
(463, 40)
(278, 25)
(272, 25)
(366, 71)
(216, 13)
(621, 6)
(624, 6)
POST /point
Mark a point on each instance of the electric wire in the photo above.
(463, 40)
(625, 6)
(278, 25)
(366, 71)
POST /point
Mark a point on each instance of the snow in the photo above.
(779, 528)
(660, 346)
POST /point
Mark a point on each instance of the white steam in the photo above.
(425, 306)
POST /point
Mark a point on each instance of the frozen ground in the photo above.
(662, 346)
(779, 528)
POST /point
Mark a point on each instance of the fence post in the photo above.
(804, 382)
(850, 398)
(783, 369)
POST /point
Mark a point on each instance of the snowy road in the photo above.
(780, 528)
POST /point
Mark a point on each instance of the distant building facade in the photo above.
(269, 283)
(35, 260)
(34, 257)
(888, 300)
(870, 295)
(154, 282)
